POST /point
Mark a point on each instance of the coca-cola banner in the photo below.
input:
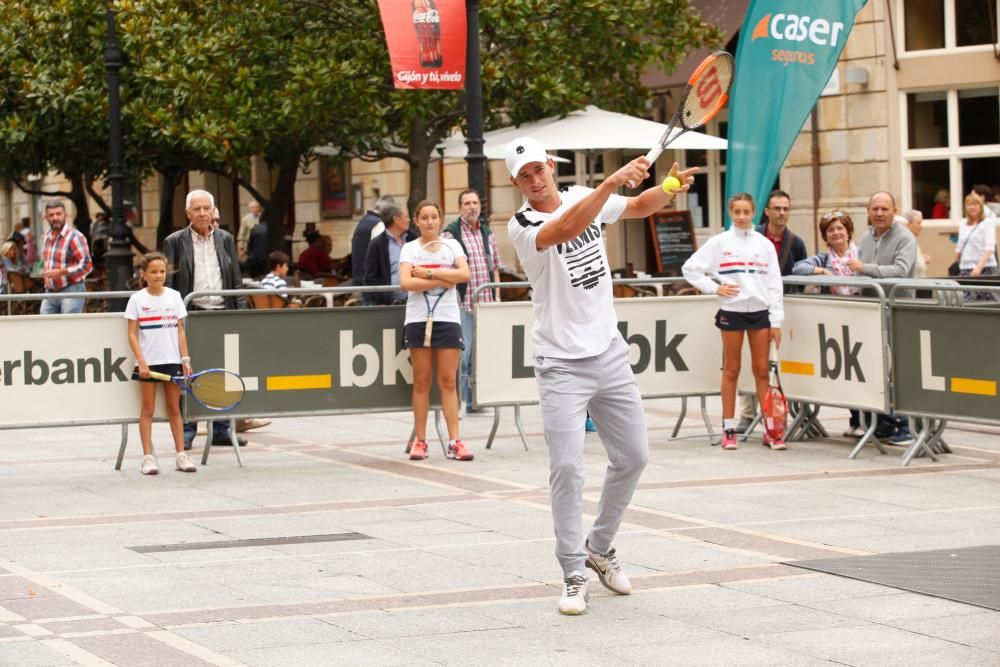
(426, 41)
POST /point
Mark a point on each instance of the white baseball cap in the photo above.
(522, 151)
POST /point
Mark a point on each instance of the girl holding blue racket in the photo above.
(429, 268)
(156, 335)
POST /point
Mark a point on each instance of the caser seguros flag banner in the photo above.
(787, 52)
(426, 40)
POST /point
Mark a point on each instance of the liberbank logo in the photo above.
(806, 31)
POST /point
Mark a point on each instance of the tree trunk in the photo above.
(282, 196)
(78, 195)
(171, 178)
(420, 155)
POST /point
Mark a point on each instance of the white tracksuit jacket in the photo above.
(742, 257)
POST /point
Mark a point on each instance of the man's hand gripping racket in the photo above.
(215, 389)
(704, 96)
(775, 408)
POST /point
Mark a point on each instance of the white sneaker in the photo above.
(854, 432)
(575, 596)
(184, 463)
(148, 465)
(609, 571)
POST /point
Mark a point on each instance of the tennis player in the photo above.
(156, 335)
(581, 360)
(746, 266)
(422, 268)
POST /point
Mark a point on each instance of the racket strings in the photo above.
(708, 91)
(218, 390)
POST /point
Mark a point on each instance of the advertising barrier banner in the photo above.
(307, 360)
(831, 353)
(426, 40)
(668, 348)
(943, 362)
(67, 369)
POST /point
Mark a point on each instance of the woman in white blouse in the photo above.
(975, 251)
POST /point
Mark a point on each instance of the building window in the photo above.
(924, 24)
(946, 24)
(972, 22)
(952, 140)
(978, 117)
(928, 113)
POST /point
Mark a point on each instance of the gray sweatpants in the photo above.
(568, 388)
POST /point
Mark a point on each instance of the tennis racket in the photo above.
(775, 408)
(704, 96)
(214, 389)
(434, 255)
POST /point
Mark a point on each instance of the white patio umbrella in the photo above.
(591, 129)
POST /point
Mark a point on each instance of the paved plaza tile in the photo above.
(452, 563)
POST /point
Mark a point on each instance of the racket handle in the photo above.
(161, 377)
(651, 156)
(428, 328)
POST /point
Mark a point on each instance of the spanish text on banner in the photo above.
(426, 40)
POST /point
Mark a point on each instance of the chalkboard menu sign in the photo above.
(672, 237)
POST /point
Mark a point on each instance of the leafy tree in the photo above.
(225, 82)
(210, 84)
(53, 95)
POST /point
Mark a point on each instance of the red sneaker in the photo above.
(418, 450)
(729, 439)
(774, 443)
(459, 451)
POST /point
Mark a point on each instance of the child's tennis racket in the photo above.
(214, 389)
(704, 96)
(775, 408)
(434, 255)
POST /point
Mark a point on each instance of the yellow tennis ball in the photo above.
(671, 184)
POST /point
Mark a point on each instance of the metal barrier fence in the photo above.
(941, 369)
(215, 338)
(347, 359)
(503, 345)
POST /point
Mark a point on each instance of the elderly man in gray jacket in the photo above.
(886, 250)
(204, 258)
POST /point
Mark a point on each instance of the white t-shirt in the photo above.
(571, 282)
(158, 317)
(416, 306)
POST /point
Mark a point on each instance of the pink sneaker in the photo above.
(729, 439)
(774, 443)
(418, 450)
(459, 451)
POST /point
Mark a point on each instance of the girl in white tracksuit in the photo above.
(747, 280)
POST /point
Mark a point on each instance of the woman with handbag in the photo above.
(975, 253)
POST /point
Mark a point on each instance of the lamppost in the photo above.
(119, 256)
(474, 102)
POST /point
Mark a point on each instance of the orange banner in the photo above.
(426, 40)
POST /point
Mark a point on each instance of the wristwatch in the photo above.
(430, 272)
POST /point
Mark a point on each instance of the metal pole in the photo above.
(474, 102)
(119, 256)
